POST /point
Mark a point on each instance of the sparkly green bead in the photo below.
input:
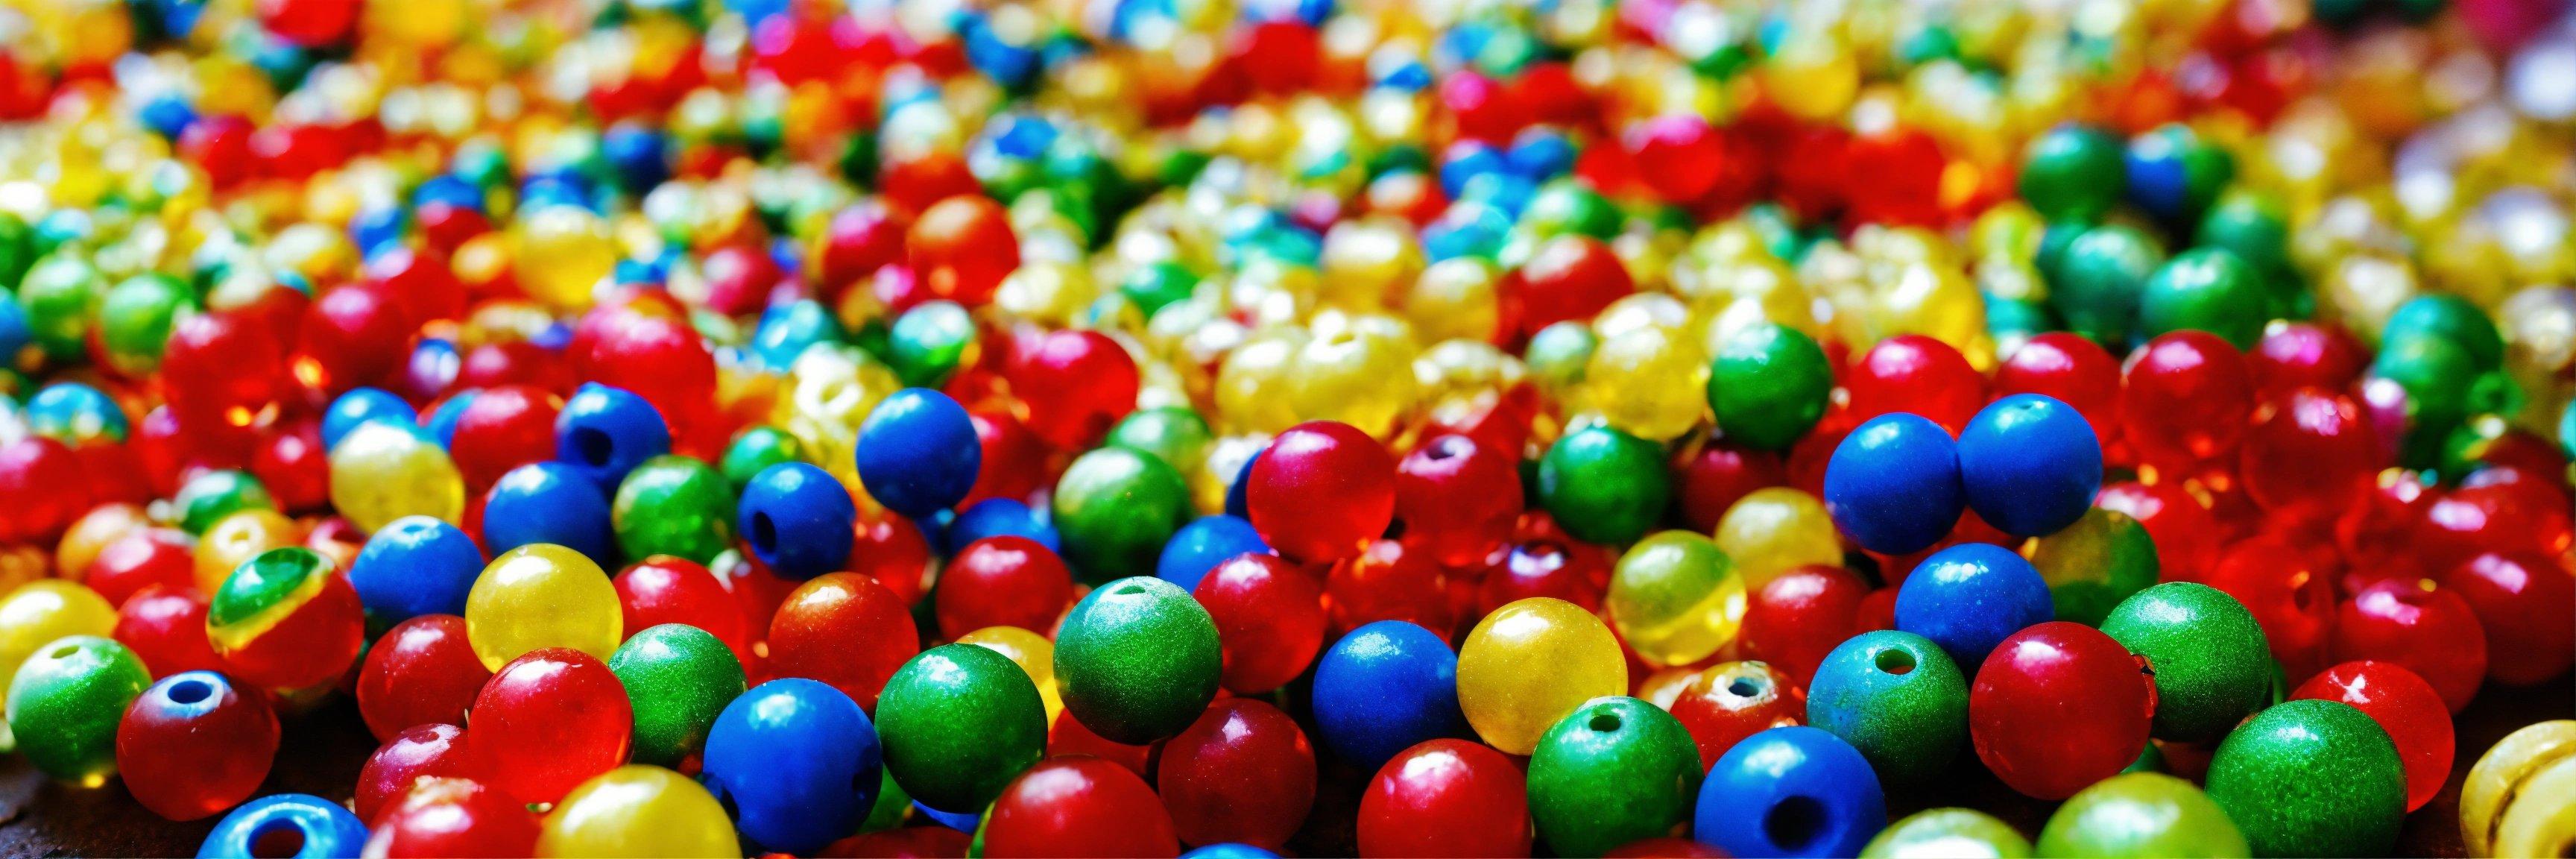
(2447, 317)
(1177, 435)
(66, 701)
(2074, 173)
(213, 495)
(1604, 486)
(2143, 814)
(673, 505)
(1895, 696)
(61, 294)
(1558, 353)
(678, 678)
(1943, 833)
(1768, 385)
(958, 722)
(1153, 285)
(134, 321)
(2440, 378)
(2099, 279)
(1137, 660)
(1114, 508)
(926, 343)
(2205, 289)
(755, 450)
(1615, 770)
(2311, 778)
(2208, 656)
(2094, 564)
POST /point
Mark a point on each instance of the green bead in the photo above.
(1137, 660)
(958, 722)
(2074, 173)
(2440, 378)
(1768, 385)
(755, 450)
(1558, 353)
(678, 678)
(213, 495)
(1177, 435)
(673, 505)
(61, 295)
(1613, 771)
(2448, 317)
(892, 804)
(2206, 169)
(2205, 289)
(2150, 760)
(1565, 207)
(1114, 508)
(1154, 285)
(1603, 485)
(2100, 278)
(17, 250)
(2206, 652)
(1943, 833)
(2143, 814)
(928, 342)
(2018, 319)
(66, 701)
(2257, 229)
(2311, 778)
(1895, 696)
(2094, 564)
(135, 319)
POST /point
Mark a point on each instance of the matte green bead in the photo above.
(673, 505)
(2448, 317)
(1603, 485)
(2311, 778)
(61, 294)
(213, 495)
(1137, 660)
(2141, 814)
(66, 701)
(926, 343)
(678, 678)
(2206, 652)
(1114, 509)
(2258, 231)
(1615, 770)
(958, 722)
(2094, 564)
(2074, 173)
(755, 450)
(1895, 696)
(1153, 285)
(2205, 289)
(17, 250)
(134, 321)
(1177, 435)
(1947, 833)
(1768, 385)
(2099, 279)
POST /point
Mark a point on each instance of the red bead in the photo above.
(222, 368)
(2071, 368)
(1545, 565)
(2185, 398)
(1078, 807)
(1917, 374)
(1569, 279)
(2521, 601)
(1074, 386)
(1709, 482)
(1321, 491)
(739, 279)
(165, 626)
(2494, 510)
(1725, 704)
(514, 363)
(2059, 706)
(2418, 625)
(845, 630)
(2404, 705)
(2308, 453)
(419, 751)
(758, 593)
(664, 589)
(220, 145)
(1482, 110)
(504, 428)
(44, 489)
(1799, 616)
(1015, 460)
(858, 241)
(1269, 620)
(422, 283)
(454, 817)
(313, 644)
(1446, 798)
(2295, 355)
(1457, 499)
(547, 722)
(1007, 580)
(292, 463)
(1387, 583)
(2288, 595)
(1069, 737)
(352, 336)
(962, 247)
(311, 23)
(1242, 773)
(420, 672)
(1679, 156)
(2185, 533)
(141, 559)
(894, 552)
(903, 842)
(195, 746)
(663, 360)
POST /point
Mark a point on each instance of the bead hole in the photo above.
(191, 691)
(1794, 823)
(1896, 662)
(63, 652)
(593, 445)
(277, 839)
(764, 533)
(1606, 722)
(1744, 687)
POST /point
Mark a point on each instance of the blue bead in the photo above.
(1969, 597)
(1204, 543)
(797, 519)
(328, 830)
(359, 406)
(640, 156)
(1466, 160)
(1794, 791)
(1540, 154)
(1383, 688)
(72, 413)
(917, 452)
(1893, 484)
(994, 517)
(449, 189)
(15, 334)
(2031, 465)
(604, 432)
(413, 566)
(443, 420)
(549, 502)
(1229, 850)
(1238, 498)
(167, 116)
(1858, 685)
(962, 821)
(797, 762)
(787, 330)
(379, 228)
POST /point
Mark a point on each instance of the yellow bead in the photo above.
(2541, 821)
(1454, 299)
(40, 611)
(2500, 781)
(1357, 370)
(1812, 77)
(1252, 387)
(1777, 529)
(640, 811)
(563, 252)
(1531, 662)
(542, 595)
(381, 472)
(102, 525)
(240, 536)
(1650, 382)
(1365, 262)
(1676, 598)
(1028, 650)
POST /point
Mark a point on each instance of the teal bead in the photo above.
(2311, 778)
(678, 678)
(755, 450)
(673, 505)
(2018, 319)
(927, 343)
(61, 294)
(1137, 660)
(1769, 385)
(2094, 564)
(1615, 770)
(2205, 289)
(1895, 696)
(958, 722)
(1177, 435)
(135, 319)
(2141, 814)
(1114, 509)
(1153, 286)
(65, 704)
(2207, 655)
(2100, 278)
(2447, 317)
(1603, 485)
(2074, 172)
(1945, 833)
(213, 495)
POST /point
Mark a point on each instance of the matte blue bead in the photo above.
(549, 502)
(917, 452)
(1894, 485)
(329, 831)
(604, 432)
(1204, 543)
(413, 566)
(2031, 465)
(1238, 499)
(797, 762)
(1383, 688)
(1969, 598)
(1795, 791)
(797, 519)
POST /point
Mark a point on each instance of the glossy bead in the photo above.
(638, 810)
(2185, 398)
(1968, 597)
(1675, 598)
(1947, 832)
(2308, 453)
(381, 472)
(541, 596)
(1321, 491)
(1775, 529)
(1138, 660)
(2516, 597)
(166, 628)
(917, 452)
(846, 630)
(2205, 652)
(1080, 806)
(286, 620)
(420, 751)
(2404, 706)
(662, 589)
(2205, 289)
(2074, 173)
(1076, 385)
(1115, 508)
(1242, 773)
(605, 432)
(1768, 385)
(1918, 375)
(797, 520)
(548, 721)
(2421, 626)
(2495, 785)
(359, 406)
(2070, 369)
(1270, 620)
(1202, 544)
(1570, 278)
(672, 505)
(214, 495)
(322, 828)
(1613, 771)
(1894, 484)
(139, 560)
(1794, 620)
(505, 427)
(1446, 798)
(796, 762)
(65, 703)
(1793, 791)
(2092, 565)
(2030, 464)
(1897, 698)
(454, 817)
(1457, 498)
(2310, 778)
(1528, 664)
(1603, 485)
(235, 539)
(548, 503)
(679, 679)
(1383, 688)
(191, 745)
(32, 615)
(2141, 814)
(2058, 707)
(47, 478)
(959, 722)
(422, 671)
(2097, 276)
(2292, 600)
(413, 566)
(1002, 581)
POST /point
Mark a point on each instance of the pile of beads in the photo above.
(1122, 427)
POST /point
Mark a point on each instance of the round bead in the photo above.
(917, 452)
(1894, 484)
(1968, 597)
(542, 596)
(433, 750)
(423, 671)
(1796, 619)
(1138, 660)
(1775, 529)
(1321, 491)
(2205, 652)
(2205, 289)
(1446, 798)
(605, 432)
(413, 566)
(2094, 564)
(1794, 791)
(286, 620)
(1269, 618)
(846, 630)
(548, 721)
(1727, 702)
(1613, 771)
(191, 745)
(1897, 698)
(65, 703)
(678, 680)
(1002, 581)
(2074, 173)
(322, 828)
(2419, 625)
(36, 613)
(1116, 508)
(1200, 776)
(1528, 664)
(959, 722)
(1203, 544)
(382, 472)
(1603, 485)
(2404, 706)
(796, 762)
(2311, 778)
(1768, 385)
(1080, 805)
(454, 817)
(2495, 785)
(797, 519)
(672, 505)
(549, 503)
(638, 810)
(2058, 707)
(1942, 832)
(1383, 688)
(1675, 598)
(2030, 465)
(1457, 498)
(2141, 814)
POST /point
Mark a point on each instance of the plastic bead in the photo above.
(549, 503)
(65, 703)
(1321, 491)
(1138, 660)
(1897, 698)
(2205, 652)
(843, 629)
(1115, 508)
(605, 432)
(1270, 620)
(1726, 702)
(1457, 498)
(1947, 832)
(2094, 564)
(679, 679)
(638, 810)
(1603, 485)
(1003, 580)
(1201, 776)
(454, 817)
(797, 520)
(2030, 465)
(1894, 484)
(1775, 529)
(663, 589)
(2058, 707)
(2515, 596)
(542, 596)
(917, 452)
(1078, 805)
(1528, 664)
(959, 722)
(2310, 777)
(286, 620)
(547, 721)
(432, 750)
(1384, 688)
(381, 472)
(32, 615)
(416, 565)
(2495, 786)
(323, 828)
(422, 671)
(796, 762)
(1446, 798)
(2421, 626)
(1613, 771)
(672, 505)
(2404, 706)
(1793, 791)
(1201, 545)
(1968, 597)
(2141, 814)
(1675, 598)
(1793, 621)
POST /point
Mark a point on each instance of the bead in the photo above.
(2290, 598)
(1793, 621)
(672, 505)
(2311, 778)
(2070, 369)
(1918, 375)
(2404, 706)
(454, 817)
(638, 810)
(2185, 397)
(1894, 484)
(1202, 544)
(1947, 832)
(65, 702)
(420, 751)
(959, 722)
(2205, 652)
(1115, 508)
(286, 620)
(215, 494)
(32, 615)
(547, 721)
(235, 539)
(1446, 798)
(2074, 173)
(843, 629)
(1768, 386)
(797, 520)
(605, 432)
(1968, 597)
(2205, 289)
(413, 566)
(917, 452)
(1270, 620)
(1138, 660)
(1896, 698)
(2515, 596)
(166, 628)
(1775, 529)
(1076, 386)
(139, 560)
(1201, 769)
(1078, 805)
(679, 679)
(1321, 491)
(1603, 485)
(381, 472)
(548, 503)
(1793, 791)
(2495, 784)
(2057, 707)
(1675, 598)
(2096, 280)
(662, 589)
(1457, 498)
(422, 671)
(2094, 564)
(2030, 465)
(2141, 814)
(322, 828)
(2418, 625)
(1528, 664)
(796, 762)
(1613, 771)
(542, 596)
(1384, 688)
(1002, 581)
(359, 406)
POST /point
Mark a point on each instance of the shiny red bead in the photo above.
(1322, 491)
(1799, 616)
(2294, 355)
(961, 248)
(1544, 563)
(1917, 374)
(294, 466)
(2421, 626)
(141, 559)
(194, 746)
(1387, 582)
(1007, 580)
(893, 551)
(440, 817)
(44, 487)
(1446, 798)
(165, 626)
(664, 589)
(845, 630)
(1707, 483)
(2185, 532)
(1075, 385)
(2404, 705)
(1270, 620)
(2308, 453)
(1457, 499)
(1242, 773)
(2521, 601)
(2493, 510)
(2059, 706)
(547, 722)
(504, 428)
(1015, 460)
(1078, 807)
(1570, 278)
(2071, 368)
(1721, 706)
(2184, 398)
(2290, 598)
(422, 750)
(223, 368)
(420, 672)
(352, 336)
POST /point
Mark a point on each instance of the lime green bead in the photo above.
(2074, 173)
(2311, 778)
(1137, 660)
(892, 804)
(2451, 318)
(958, 722)
(927, 343)
(1769, 385)
(1603, 485)
(673, 505)
(1558, 353)
(1943, 833)
(1154, 285)
(136, 318)
(66, 701)
(2150, 759)
(2094, 564)
(61, 294)
(1564, 207)
(1114, 508)
(678, 678)
(1897, 698)
(1177, 435)
(2208, 656)
(2141, 814)
(2100, 278)
(213, 495)
(1615, 770)
(2205, 289)
(755, 450)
